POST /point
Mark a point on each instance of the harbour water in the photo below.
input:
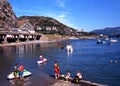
(98, 63)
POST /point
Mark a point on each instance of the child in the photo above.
(67, 77)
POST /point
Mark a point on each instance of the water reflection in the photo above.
(10, 55)
(91, 59)
(17, 82)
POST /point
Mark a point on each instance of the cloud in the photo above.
(64, 18)
(60, 3)
(61, 16)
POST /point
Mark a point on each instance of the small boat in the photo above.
(25, 73)
(113, 40)
(42, 61)
(73, 38)
(99, 41)
(61, 47)
(69, 48)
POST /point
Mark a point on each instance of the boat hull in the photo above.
(25, 73)
(41, 62)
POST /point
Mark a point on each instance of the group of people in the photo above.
(18, 69)
(76, 79)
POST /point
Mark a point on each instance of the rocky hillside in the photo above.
(41, 24)
(48, 25)
(7, 16)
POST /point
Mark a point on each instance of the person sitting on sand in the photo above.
(56, 70)
(79, 74)
(77, 77)
(67, 76)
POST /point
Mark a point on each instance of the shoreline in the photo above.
(81, 83)
(44, 41)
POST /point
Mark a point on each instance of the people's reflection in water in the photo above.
(18, 82)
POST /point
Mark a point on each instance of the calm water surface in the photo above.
(93, 60)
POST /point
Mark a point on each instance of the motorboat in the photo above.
(69, 48)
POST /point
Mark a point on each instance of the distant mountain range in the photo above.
(108, 31)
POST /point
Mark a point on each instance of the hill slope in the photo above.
(47, 25)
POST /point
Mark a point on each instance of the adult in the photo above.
(56, 70)
(77, 77)
(79, 74)
(16, 70)
(21, 68)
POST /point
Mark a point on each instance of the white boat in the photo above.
(42, 61)
(69, 48)
(113, 40)
(73, 38)
(25, 73)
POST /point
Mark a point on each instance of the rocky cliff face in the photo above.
(7, 16)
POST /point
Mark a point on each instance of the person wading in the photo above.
(16, 70)
(21, 68)
(56, 70)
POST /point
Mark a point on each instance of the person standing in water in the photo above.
(21, 68)
(56, 70)
(16, 70)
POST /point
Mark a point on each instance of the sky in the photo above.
(78, 14)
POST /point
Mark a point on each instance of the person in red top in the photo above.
(56, 70)
(21, 68)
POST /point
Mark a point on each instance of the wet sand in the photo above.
(81, 83)
(43, 79)
(40, 79)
